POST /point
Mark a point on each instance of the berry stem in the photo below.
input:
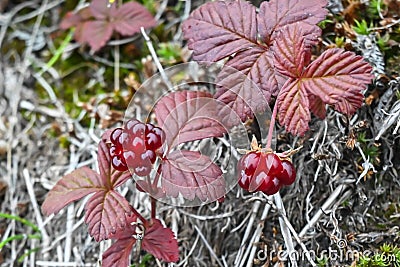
(153, 207)
(140, 217)
(157, 177)
(272, 125)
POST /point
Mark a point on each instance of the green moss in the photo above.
(388, 255)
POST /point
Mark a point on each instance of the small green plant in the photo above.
(388, 255)
(169, 53)
(382, 42)
(147, 260)
(323, 24)
(362, 27)
(340, 41)
(35, 235)
(323, 261)
(375, 7)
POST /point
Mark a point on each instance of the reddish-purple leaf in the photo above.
(240, 84)
(110, 177)
(192, 174)
(161, 242)
(77, 20)
(100, 9)
(130, 17)
(158, 241)
(97, 33)
(291, 54)
(73, 19)
(96, 23)
(106, 210)
(106, 213)
(276, 14)
(219, 29)
(293, 107)
(71, 187)
(317, 106)
(338, 77)
(118, 254)
(187, 116)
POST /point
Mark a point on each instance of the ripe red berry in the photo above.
(144, 169)
(149, 127)
(266, 172)
(246, 168)
(288, 175)
(135, 146)
(274, 188)
(115, 135)
(129, 124)
(273, 164)
(268, 168)
(118, 163)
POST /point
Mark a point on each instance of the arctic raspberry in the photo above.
(264, 171)
(136, 146)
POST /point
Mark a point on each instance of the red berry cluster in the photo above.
(136, 146)
(266, 172)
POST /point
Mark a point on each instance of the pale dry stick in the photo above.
(12, 180)
(116, 67)
(59, 254)
(385, 27)
(35, 206)
(208, 246)
(63, 264)
(325, 129)
(26, 61)
(46, 86)
(285, 230)
(332, 215)
(92, 135)
(156, 60)
(68, 231)
(182, 262)
(244, 221)
(207, 217)
(122, 41)
(296, 236)
(6, 234)
(161, 9)
(61, 237)
(379, 10)
(33, 241)
(316, 138)
(174, 222)
(37, 12)
(40, 109)
(335, 194)
(107, 62)
(32, 256)
(257, 235)
(309, 206)
(186, 11)
(227, 224)
(253, 212)
(8, 18)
